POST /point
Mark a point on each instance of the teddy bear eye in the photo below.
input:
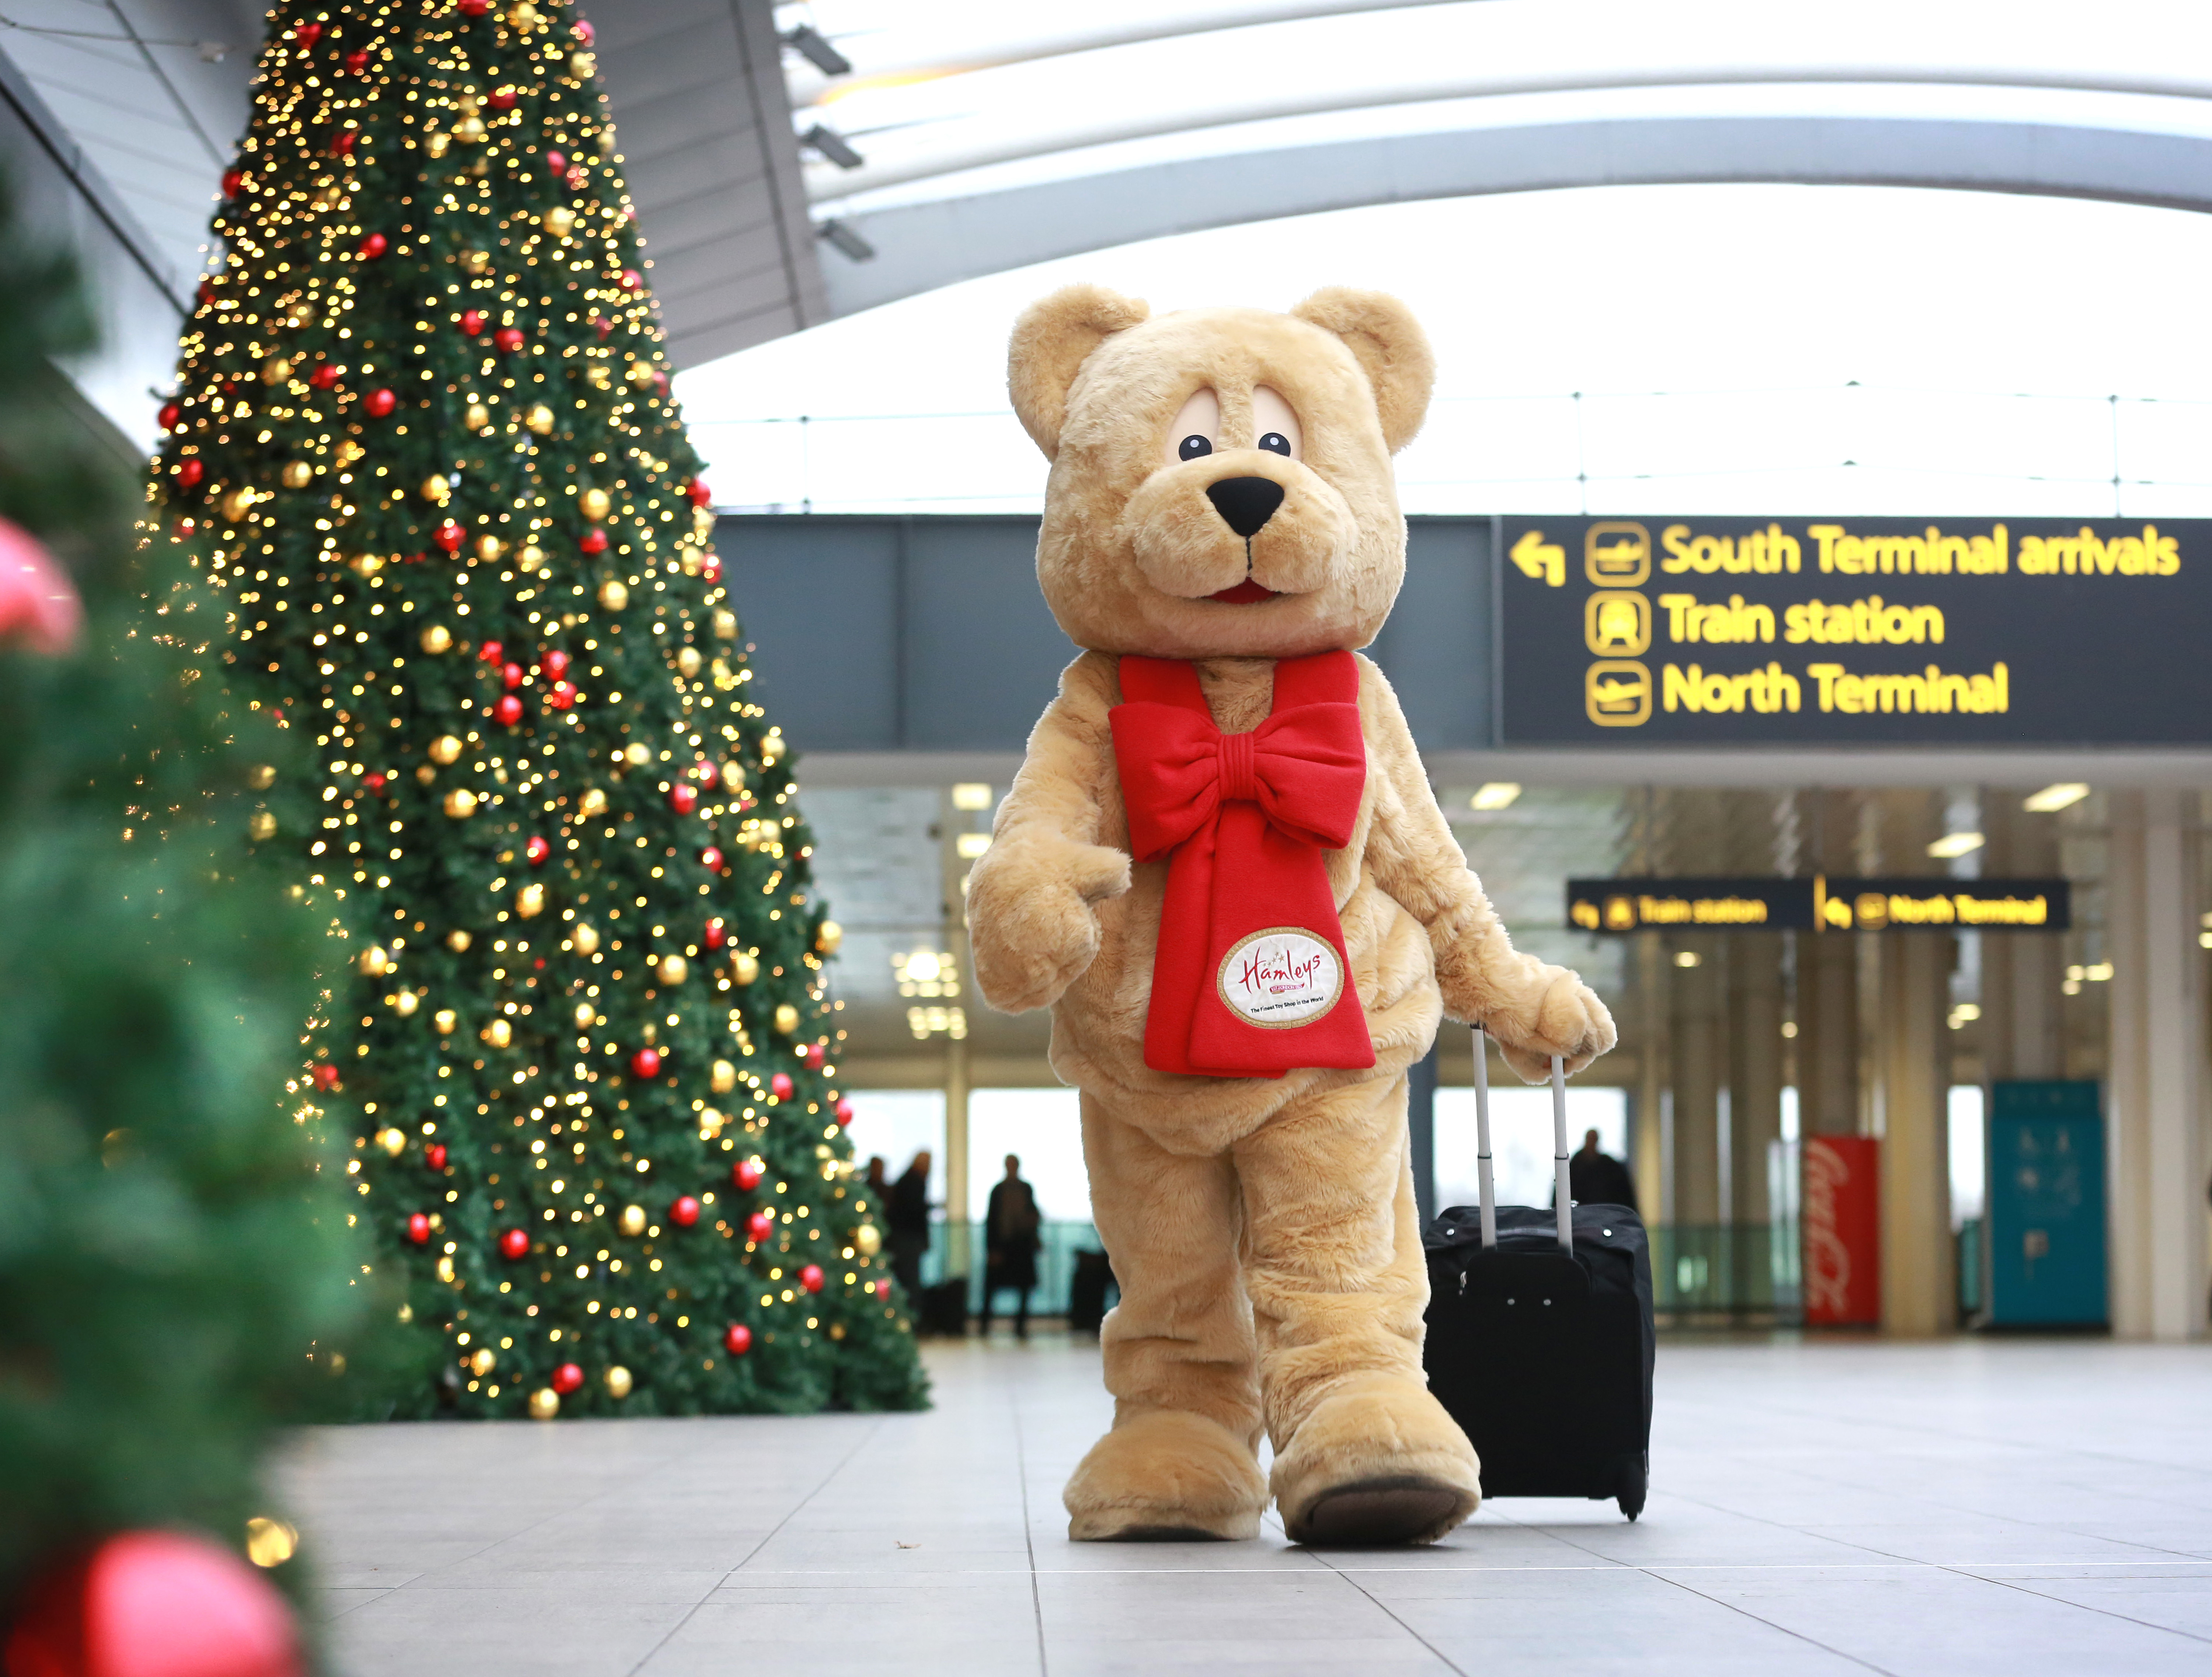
(1276, 443)
(1197, 448)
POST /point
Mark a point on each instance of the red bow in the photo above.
(1250, 978)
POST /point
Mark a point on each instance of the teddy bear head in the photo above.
(1221, 483)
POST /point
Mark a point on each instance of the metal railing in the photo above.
(1055, 1264)
(1727, 1269)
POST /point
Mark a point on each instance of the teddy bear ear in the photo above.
(1389, 344)
(1052, 340)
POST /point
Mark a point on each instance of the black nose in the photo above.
(1245, 503)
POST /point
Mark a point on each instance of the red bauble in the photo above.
(759, 1227)
(537, 851)
(811, 1278)
(700, 497)
(357, 60)
(472, 7)
(514, 1243)
(568, 1378)
(711, 859)
(502, 99)
(711, 568)
(646, 1062)
(555, 664)
(154, 1604)
(595, 540)
(326, 1076)
(736, 1339)
(583, 32)
(324, 376)
(557, 162)
(605, 325)
(512, 675)
(234, 182)
(706, 773)
(683, 798)
(379, 403)
(189, 472)
(451, 536)
(562, 695)
(844, 1111)
(373, 780)
(472, 321)
(779, 1086)
(492, 652)
(746, 1175)
(509, 339)
(307, 33)
(684, 1213)
(344, 144)
(632, 280)
(374, 245)
(508, 710)
(434, 1155)
(717, 931)
(418, 1229)
(170, 414)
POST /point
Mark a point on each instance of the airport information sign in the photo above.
(1929, 903)
(1698, 631)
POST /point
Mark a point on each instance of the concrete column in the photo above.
(1699, 1062)
(1754, 1070)
(1648, 1153)
(952, 822)
(956, 1157)
(2020, 1031)
(2155, 1119)
(1828, 1034)
(1919, 1282)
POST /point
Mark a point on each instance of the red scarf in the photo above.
(1250, 978)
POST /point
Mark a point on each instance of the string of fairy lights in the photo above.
(425, 447)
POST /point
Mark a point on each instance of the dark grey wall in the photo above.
(929, 635)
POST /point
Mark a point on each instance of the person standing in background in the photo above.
(908, 1220)
(1012, 1233)
(1596, 1178)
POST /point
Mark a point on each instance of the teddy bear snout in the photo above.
(1246, 503)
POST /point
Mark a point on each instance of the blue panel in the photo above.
(1436, 648)
(2046, 1205)
(819, 599)
(983, 655)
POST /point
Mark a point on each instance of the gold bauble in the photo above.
(544, 1404)
(867, 1240)
(477, 262)
(435, 144)
(482, 1363)
(593, 802)
(637, 753)
(270, 1542)
(744, 967)
(393, 1140)
(672, 969)
(586, 938)
(445, 1270)
(298, 474)
(687, 662)
(597, 376)
(837, 1330)
(733, 775)
(531, 558)
(469, 131)
(405, 1003)
(641, 373)
(262, 826)
(445, 1018)
(560, 221)
(349, 451)
(488, 548)
(711, 1122)
(498, 1033)
(725, 624)
(457, 940)
(523, 17)
(436, 489)
(477, 417)
(619, 1382)
(613, 594)
(437, 638)
(770, 749)
(373, 961)
(583, 65)
(702, 522)
(530, 901)
(594, 504)
(633, 1220)
(724, 1078)
(263, 777)
(366, 564)
(828, 937)
(237, 504)
(786, 1017)
(276, 370)
(460, 802)
(539, 419)
(445, 749)
(587, 1016)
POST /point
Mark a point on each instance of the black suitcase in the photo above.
(1543, 1352)
(944, 1310)
(1086, 1293)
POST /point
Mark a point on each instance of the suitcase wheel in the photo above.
(1632, 1481)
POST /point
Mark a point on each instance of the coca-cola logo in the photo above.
(1280, 977)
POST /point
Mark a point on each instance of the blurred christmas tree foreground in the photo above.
(422, 449)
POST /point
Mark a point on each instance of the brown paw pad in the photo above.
(1405, 1508)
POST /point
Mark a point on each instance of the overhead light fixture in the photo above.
(812, 45)
(846, 241)
(971, 846)
(1964, 1015)
(2054, 798)
(832, 145)
(1685, 957)
(971, 795)
(1951, 846)
(1496, 794)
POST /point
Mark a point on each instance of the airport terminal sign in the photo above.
(1930, 904)
(1698, 631)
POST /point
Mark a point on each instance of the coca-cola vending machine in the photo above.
(1841, 1218)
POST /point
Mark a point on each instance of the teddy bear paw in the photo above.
(1166, 1475)
(1378, 1462)
(1570, 1022)
(1031, 924)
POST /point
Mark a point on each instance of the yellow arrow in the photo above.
(1540, 559)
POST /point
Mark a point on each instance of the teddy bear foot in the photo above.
(1166, 1476)
(1378, 1462)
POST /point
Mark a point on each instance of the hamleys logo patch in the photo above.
(1280, 977)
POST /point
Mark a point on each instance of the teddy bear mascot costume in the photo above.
(1223, 869)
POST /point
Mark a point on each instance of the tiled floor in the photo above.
(2011, 1508)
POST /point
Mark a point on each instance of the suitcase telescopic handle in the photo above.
(1562, 1203)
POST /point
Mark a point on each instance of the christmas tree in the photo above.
(424, 448)
(172, 1272)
